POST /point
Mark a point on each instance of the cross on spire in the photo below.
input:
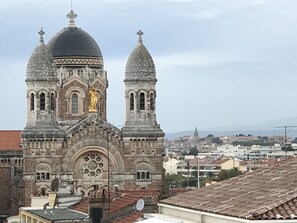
(41, 33)
(139, 33)
(71, 16)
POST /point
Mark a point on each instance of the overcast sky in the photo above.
(219, 63)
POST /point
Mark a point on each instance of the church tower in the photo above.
(142, 136)
(42, 139)
(79, 63)
(67, 135)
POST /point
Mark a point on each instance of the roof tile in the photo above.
(267, 193)
(10, 140)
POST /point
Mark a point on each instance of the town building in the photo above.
(11, 163)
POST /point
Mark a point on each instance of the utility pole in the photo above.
(291, 127)
(198, 180)
(198, 177)
(188, 166)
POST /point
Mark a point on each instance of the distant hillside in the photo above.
(268, 128)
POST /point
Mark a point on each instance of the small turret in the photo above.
(41, 81)
(140, 81)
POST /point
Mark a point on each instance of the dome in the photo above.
(72, 46)
(140, 64)
(73, 42)
(41, 63)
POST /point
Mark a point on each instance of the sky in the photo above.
(219, 63)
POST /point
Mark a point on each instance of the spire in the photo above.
(196, 132)
(71, 16)
(41, 33)
(140, 33)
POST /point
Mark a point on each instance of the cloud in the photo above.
(259, 2)
(195, 59)
(211, 14)
(180, 1)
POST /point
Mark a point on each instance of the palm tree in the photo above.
(210, 177)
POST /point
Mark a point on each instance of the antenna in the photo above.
(71, 5)
(140, 205)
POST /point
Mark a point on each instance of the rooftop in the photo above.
(59, 214)
(10, 140)
(267, 193)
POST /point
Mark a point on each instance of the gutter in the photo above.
(218, 216)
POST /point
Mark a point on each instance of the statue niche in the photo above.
(94, 95)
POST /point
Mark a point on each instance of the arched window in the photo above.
(32, 102)
(42, 176)
(142, 101)
(53, 102)
(152, 100)
(143, 172)
(42, 101)
(142, 175)
(131, 102)
(74, 103)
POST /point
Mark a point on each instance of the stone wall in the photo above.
(5, 190)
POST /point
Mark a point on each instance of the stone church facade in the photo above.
(67, 135)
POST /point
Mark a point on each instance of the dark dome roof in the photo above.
(140, 64)
(73, 41)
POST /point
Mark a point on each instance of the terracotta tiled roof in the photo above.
(139, 193)
(82, 206)
(10, 139)
(125, 200)
(287, 210)
(122, 202)
(219, 161)
(268, 192)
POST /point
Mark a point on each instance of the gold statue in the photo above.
(93, 100)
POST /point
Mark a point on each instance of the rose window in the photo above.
(92, 165)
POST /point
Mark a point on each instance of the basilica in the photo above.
(67, 134)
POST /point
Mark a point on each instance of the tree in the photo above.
(287, 148)
(210, 177)
(217, 140)
(175, 180)
(223, 175)
(226, 174)
(234, 172)
(193, 151)
(209, 136)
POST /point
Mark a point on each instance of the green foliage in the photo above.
(226, 174)
(176, 180)
(217, 140)
(260, 142)
(209, 136)
(287, 148)
(192, 151)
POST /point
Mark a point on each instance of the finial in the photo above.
(41, 33)
(140, 33)
(71, 16)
